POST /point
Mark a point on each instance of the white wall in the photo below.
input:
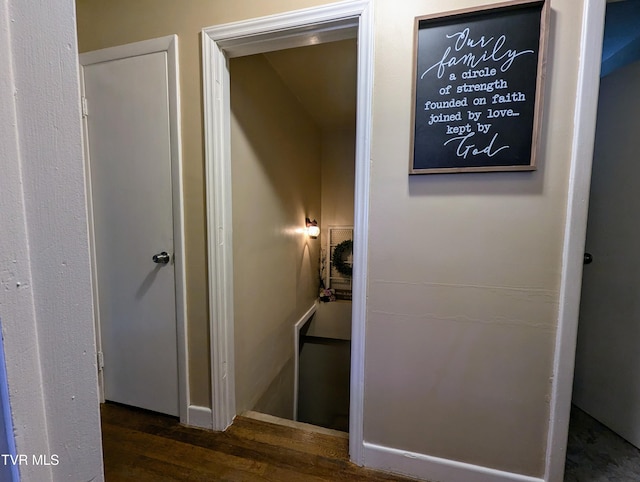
(338, 177)
(338, 183)
(45, 300)
(276, 171)
(331, 320)
(464, 272)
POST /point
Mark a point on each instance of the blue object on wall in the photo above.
(621, 44)
(8, 471)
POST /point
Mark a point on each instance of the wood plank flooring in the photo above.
(145, 446)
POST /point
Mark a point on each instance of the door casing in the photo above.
(291, 29)
(169, 45)
(592, 29)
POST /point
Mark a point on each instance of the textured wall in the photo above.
(46, 301)
(16, 296)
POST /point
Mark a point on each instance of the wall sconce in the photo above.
(312, 228)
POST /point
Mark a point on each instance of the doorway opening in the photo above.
(329, 23)
(293, 136)
(606, 379)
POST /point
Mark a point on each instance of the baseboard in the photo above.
(200, 417)
(426, 467)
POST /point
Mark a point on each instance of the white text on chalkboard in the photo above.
(470, 59)
(477, 94)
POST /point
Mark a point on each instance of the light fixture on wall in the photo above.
(312, 228)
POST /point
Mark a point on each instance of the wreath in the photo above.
(340, 255)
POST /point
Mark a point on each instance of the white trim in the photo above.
(216, 105)
(179, 250)
(199, 417)
(160, 44)
(329, 23)
(168, 44)
(426, 467)
(92, 237)
(361, 232)
(296, 354)
(575, 233)
(218, 43)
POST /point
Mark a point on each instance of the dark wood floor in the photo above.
(145, 446)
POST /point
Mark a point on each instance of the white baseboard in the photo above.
(426, 467)
(200, 417)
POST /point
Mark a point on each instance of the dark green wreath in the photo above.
(340, 254)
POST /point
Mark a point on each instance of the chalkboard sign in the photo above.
(478, 78)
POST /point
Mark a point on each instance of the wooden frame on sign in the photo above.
(478, 79)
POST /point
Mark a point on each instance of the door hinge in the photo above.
(85, 108)
(100, 361)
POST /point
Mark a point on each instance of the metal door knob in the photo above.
(588, 259)
(161, 258)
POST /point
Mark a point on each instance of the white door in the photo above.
(607, 372)
(128, 134)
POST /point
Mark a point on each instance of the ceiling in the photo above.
(323, 77)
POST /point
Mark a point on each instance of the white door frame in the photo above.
(291, 29)
(169, 45)
(575, 235)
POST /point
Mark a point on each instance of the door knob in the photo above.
(161, 258)
(588, 259)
